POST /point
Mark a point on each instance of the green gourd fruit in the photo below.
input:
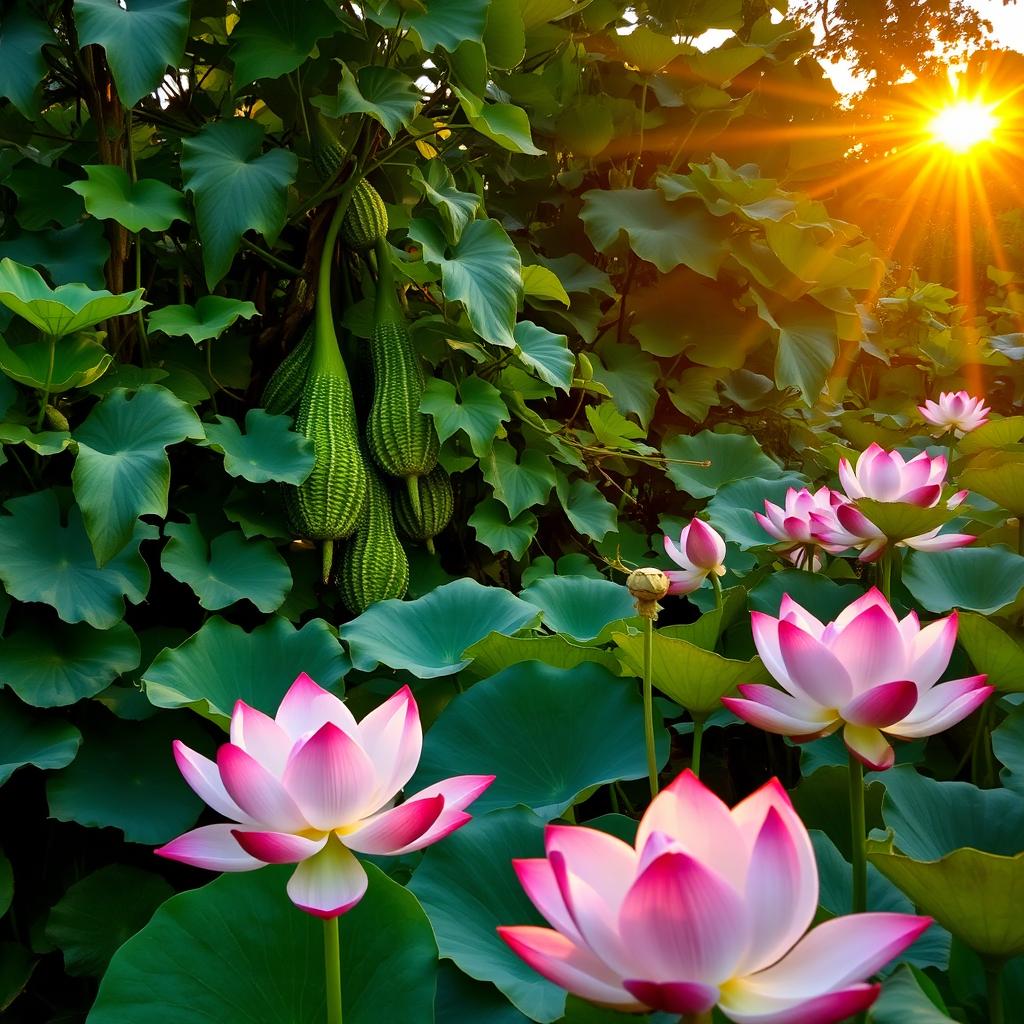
(436, 504)
(366, 220)
(284, 389)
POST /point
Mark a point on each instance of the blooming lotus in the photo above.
(709, 906)
(312, 785)
(803, 525)
(700, 552)
(957, 411)
(868, 672)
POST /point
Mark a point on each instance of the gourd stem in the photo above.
(332, 970)
(412, 484)
(858, 830)
(327, 552)
(652, 759)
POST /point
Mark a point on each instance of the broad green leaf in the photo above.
(579, 606)
(74, 255)
(467, 887)
(520, 480)
(55, 367)
(541, 283)
(209, 318)
(443, 23)
(808, 346)
(648, 51)
(43, 560)
(630, 376)
(144, 204)
(477, 409)
(505, 34)
(998, 476)
(27, 737)
(268, 450)
(236, 188)
(385, 94)
(1008, 746)
(823, 597)
(499, 531)
(731, 457)
(456, 208)
(689, 675)
(125, 777)
(977, 579)
(587, 508)
(428, 636)
(822, 801)
(546, 353)
(663, 233)
(955, 852)
(22, 67)
(60, 311)
(586, 126)
(564, 731)
(996, 433)
(43, 198)
(122, 470)
(6, 885)
(483, 273)
(459, 997)
(274, 37)
(899, 520)
(732, 508)
(241, 952)
(49, 664)
(903, 1001)
(228, 569)
(92, 920)
(222, 664)
(497, 651)
(612, 429)
(141, 40)
(503, 123)
(16, 966)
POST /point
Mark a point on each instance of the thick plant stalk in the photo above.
(652, 757)
(332, 970)
(994, 990)
(858, 834)
(698, 743)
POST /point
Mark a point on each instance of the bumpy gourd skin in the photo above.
(374, 566)
(366, 221)
(436, 502)
(328, 504)
(284, 389)
(402, 440)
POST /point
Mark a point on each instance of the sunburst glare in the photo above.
(963, 125)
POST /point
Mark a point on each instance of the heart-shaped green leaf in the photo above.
(243, 952)
(64, 310)
(144, 204)
(729, 457)
(498, 531)
(477, 409)
(428, 637)
(22, 65)
(43, 560)
(579, 606)
(222, 664)
(385, 94)
(209, 318)
(497, 651)
(27, 737)
(520, 481)
(544, 352)
(55, 367)
(978, 579)
(563, 732)
(268, 450)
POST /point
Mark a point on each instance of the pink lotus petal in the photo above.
(683, 997)
(882, 705)
(871, 647)
(331, 778)
(930, 650)
(682, 920)
(676, 555)
(307, 706)
(869, 746)
(704, 547)
(204, 778)
(849, 480)
(539, 883)
(556, 958)
(856, 524)
(765, 716)
(790, 611)
(212, 847)
(459, 791)
(923, 497)
(765, 630)
(813, 668)
(745, 1005)
(261, 796)
(278, 847)
(940, 541)
(329, 883)
(882, 477)
(942, 707)
(260, 737)
(595, 920)
(604, 862)
(681, 581)
(392, 737)
(396, 828)
(770, 528)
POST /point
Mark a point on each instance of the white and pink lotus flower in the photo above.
(709, 906)
(699, 553)
(868, 672)
(313, 787)
(957, 411)
(802, 523)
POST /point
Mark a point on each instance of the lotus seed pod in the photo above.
(648, 586)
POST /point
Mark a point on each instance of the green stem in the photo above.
(885, 575)
(652, 758)
(698, 742)
(716, 583)
(332, 970)
(994, 989)
(858, 833)
(327, 554)
(269, 257)
(46, 391)
(412, 484)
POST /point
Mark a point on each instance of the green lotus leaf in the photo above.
(998, 476)
(29, 738)
(992, 651)
(497, 652)
(77, 362)
(209, 318)
(899, 520)
(978, 579)
(730, 457)
(579, 606)
(144, 204)
(268, 450)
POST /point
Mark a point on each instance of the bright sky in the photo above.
(1008, 30)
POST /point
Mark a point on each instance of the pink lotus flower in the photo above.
(700, 552)
(853, 529)
(957, 411)
(869, 672)
(886, 476)
(803, 525)
(708, 907)
(310, 786)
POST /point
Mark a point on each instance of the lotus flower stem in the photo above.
(885, 576)
(652, 758)
(717, 584)
(858, 832)
(332, 970)
(698, 737)
(994, 988)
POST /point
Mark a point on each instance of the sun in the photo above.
(963, 125)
